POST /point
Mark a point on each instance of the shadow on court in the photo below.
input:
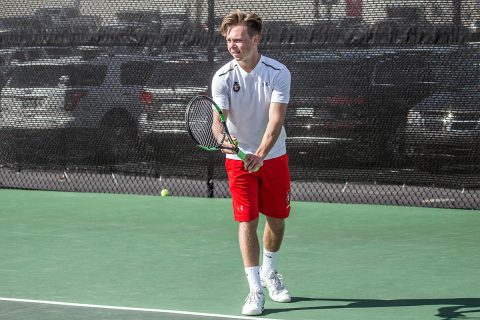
(452, 307)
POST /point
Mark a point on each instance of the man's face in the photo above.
(240, 45)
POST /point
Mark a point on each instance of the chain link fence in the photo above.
(384, 103)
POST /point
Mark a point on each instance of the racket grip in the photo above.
(242, 155)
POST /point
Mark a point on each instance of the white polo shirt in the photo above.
(247, 97)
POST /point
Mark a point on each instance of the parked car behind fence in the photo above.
(164, 100)
(88, 105)
(444, 128)
(348, 106)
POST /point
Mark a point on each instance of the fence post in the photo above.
(211, 53)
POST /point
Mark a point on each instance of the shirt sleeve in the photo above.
(281, 87)
(220, 92)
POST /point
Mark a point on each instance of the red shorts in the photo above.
(266, 191)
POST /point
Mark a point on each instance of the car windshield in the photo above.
(59, 52)
(67, 12)
(48, 76)
(132, 16)
(174, 20)
(136, 72)
(277, 25)
(465, 76)
(335, 73)
(36, 77)
(179, 74)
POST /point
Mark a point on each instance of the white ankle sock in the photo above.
(269, 262)
(253, 277)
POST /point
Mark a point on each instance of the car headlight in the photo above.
(415, 118)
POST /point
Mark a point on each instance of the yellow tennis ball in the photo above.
(165, 193)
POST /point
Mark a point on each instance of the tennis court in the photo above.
(104, 256)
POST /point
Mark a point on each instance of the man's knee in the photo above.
(276, 224)
(248, 226)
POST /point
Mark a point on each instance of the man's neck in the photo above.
(251, 63)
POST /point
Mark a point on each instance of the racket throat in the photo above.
(241, 154)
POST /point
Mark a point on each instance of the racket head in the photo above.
(206, 124)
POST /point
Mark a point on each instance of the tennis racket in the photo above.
(207, 127)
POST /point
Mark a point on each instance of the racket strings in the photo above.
(205, 131)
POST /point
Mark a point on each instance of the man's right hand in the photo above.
(227, 144)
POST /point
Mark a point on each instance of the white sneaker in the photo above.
(254, 304)
(276, 290)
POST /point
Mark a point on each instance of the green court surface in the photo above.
(106, 256)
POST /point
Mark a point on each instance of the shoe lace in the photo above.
(277, 281)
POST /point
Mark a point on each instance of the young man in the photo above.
(253, 92)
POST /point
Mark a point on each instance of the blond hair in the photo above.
(251, 20)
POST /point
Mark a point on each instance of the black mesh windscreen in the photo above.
(384, 101)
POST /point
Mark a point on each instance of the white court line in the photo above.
(106, 307)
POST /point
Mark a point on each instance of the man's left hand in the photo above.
(252, 162)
